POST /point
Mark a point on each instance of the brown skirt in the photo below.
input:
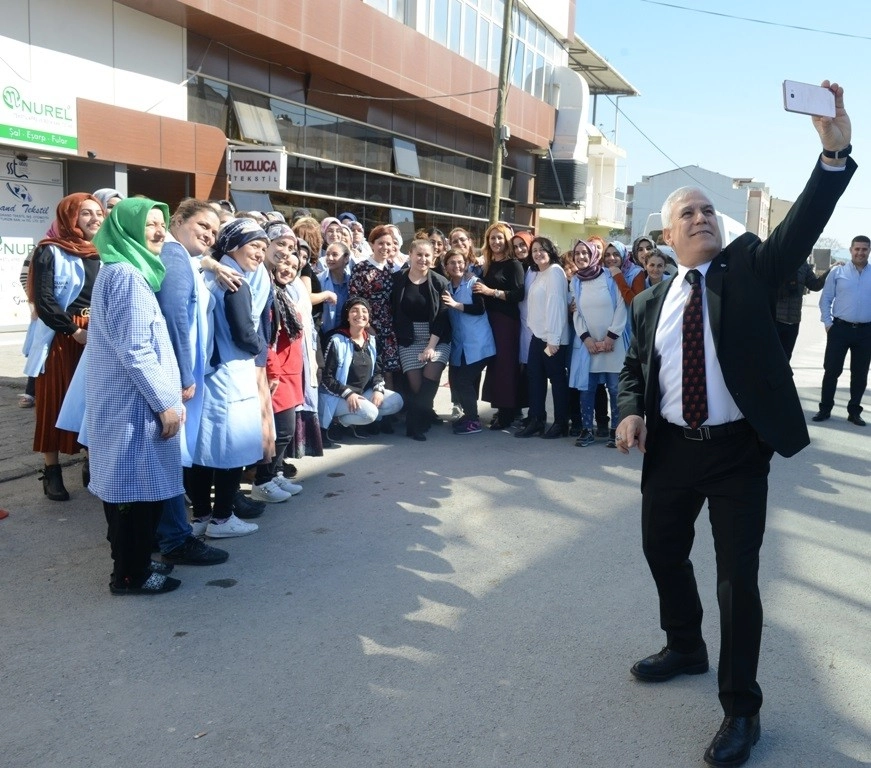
(502, 382)
(51, 386)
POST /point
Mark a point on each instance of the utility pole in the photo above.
(500, 130)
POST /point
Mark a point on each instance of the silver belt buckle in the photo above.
(704, 433)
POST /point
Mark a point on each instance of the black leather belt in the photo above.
(847, 322)
(712, 433)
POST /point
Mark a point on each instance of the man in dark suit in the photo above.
(711, 434)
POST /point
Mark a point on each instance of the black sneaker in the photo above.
(245, 508)
(195, 552)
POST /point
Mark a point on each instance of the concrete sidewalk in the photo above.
(468, 601)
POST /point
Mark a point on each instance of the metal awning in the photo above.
(602, 78)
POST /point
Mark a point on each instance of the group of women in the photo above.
(239, 345)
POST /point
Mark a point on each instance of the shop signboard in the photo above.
(29, 193)
(257, 170)
(36, 119)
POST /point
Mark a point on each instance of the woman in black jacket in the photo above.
(423, 330)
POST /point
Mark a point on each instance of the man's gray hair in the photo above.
(665, 213)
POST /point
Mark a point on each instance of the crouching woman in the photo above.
(352, 389)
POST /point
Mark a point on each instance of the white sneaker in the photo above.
(282, 482)
(199, 527)
(231, 527)
(270, 492)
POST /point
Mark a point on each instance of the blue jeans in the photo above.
(588, 398)
(174, 527)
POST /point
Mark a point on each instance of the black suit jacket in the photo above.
(741, 288)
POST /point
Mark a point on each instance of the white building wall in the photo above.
(651, 191)
(97, 50)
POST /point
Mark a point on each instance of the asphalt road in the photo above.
(465, 602)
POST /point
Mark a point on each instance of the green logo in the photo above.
(11, 97)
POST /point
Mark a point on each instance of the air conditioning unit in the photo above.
(566, 176)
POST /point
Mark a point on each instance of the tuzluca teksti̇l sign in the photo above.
(257, 170)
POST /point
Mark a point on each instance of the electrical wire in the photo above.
(758, 21)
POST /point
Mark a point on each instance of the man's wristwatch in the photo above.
(838, 153)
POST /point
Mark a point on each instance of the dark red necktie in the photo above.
(695, 390)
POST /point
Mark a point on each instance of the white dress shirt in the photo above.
(669, 346)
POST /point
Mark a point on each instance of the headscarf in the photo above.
(104, 195)
(285, 315)
(345, 323)
(326, 222)
(594, 268)
(527, 238)
(68, 236)
(635, 243)
(629, 268)
(278, 229)
(235, 234)
(121, 238)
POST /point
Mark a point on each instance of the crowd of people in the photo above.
(288, 338)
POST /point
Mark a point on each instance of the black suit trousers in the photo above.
(731, 472)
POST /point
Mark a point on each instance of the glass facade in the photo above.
(337, 164)
(473, 29)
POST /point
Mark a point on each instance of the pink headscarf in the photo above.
(594, 268)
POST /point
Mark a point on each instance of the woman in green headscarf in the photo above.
(134, 407)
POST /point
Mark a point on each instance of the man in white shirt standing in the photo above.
(845, 309)
(706, 393)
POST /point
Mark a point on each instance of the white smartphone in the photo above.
(808, 99)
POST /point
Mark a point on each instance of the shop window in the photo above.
(207, 103)
(251, 201)
(405, 158)
(254, 118)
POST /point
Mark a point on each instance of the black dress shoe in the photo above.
(733, 742)
(821, 415)
(855, 418)
(667, 664)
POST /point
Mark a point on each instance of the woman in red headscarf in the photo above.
(62, 274)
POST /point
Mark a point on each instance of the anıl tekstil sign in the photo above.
(37, 120)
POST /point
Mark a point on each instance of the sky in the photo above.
(711, 89)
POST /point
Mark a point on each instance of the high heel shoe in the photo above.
(557, 429)
(534, 427)
(53, 483)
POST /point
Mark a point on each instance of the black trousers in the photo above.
(131, 529)
(466, 385)
(842, 338)
(285, 428)
(731, 472)
(541, 368)
(198, 484)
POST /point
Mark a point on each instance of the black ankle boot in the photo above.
(557, 429)
(53, 483)
(533, 427)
